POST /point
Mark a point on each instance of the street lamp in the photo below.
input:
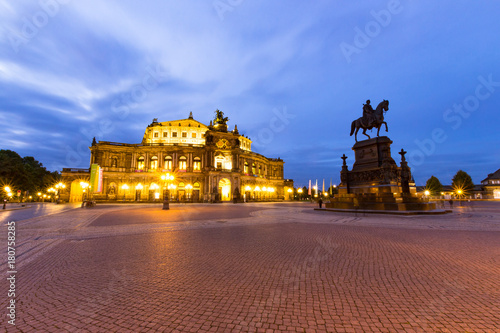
(84, 186)
(138, 188)
(189, 187)
(460, 192)
(167, 179)
(59, 186)
(124, 188)
(290, 193)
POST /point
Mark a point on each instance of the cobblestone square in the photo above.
(269, 267)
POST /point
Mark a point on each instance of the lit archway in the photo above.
(225, 189)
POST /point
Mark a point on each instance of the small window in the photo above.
(174, 134)
(253, 168)
(202, 135)
(165, 134)
(246, 167)
(184, 134)
(155, 134)
(193, 135)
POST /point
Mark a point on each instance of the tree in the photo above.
(462, 182)
(434, 186)
(24, 173)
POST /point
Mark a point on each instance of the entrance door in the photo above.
(225, 189)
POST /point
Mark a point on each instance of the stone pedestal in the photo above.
(376, 182)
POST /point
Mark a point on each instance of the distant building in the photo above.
(491, 185)
(209, 163)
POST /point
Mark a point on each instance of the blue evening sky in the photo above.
(292, 75)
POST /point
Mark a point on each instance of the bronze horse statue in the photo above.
(378, 115)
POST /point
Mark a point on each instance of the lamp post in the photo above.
(124, 188)
(299, 191)
(9, 194)
(460, 192)
(84, 186)
(189, 187)
(167, 180)
(59, 186)
(138, 188)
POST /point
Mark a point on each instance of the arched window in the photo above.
(260, 169)
(154, 162)
(182, 163)
(197, 164)
(245, 168)
(196, 185)
(140, 163)
(253, 168)
(168, 163)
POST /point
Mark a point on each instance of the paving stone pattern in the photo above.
(256, 268)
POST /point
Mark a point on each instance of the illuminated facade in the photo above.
(491, 185)
(208, 163)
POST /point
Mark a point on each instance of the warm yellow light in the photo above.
(84, 185)
(9, 194)
(45, 195)
(427, 192)
(442, 193)
(334, 186)
(189, 186)
(31, 197)
(289, 190)
(257, 188)
(154, 186)
(270, 189)
(264, 189)
(459, 191)
(299, 190)
(138, 186)
(39, 193)
(7, 189)
(248, 188)
(171, 186)
(60, 185)
(325, 193)
(124, 187)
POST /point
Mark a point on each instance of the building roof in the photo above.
(495, 175)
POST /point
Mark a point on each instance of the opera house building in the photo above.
(182, 160)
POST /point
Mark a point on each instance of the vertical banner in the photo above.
(323, 191)
(309, 191)
(95, 178)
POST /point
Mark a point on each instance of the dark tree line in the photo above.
(24, 173)
(461, 181)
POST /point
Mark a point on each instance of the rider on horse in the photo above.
(368, 116)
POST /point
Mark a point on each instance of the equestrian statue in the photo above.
(371, 119)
